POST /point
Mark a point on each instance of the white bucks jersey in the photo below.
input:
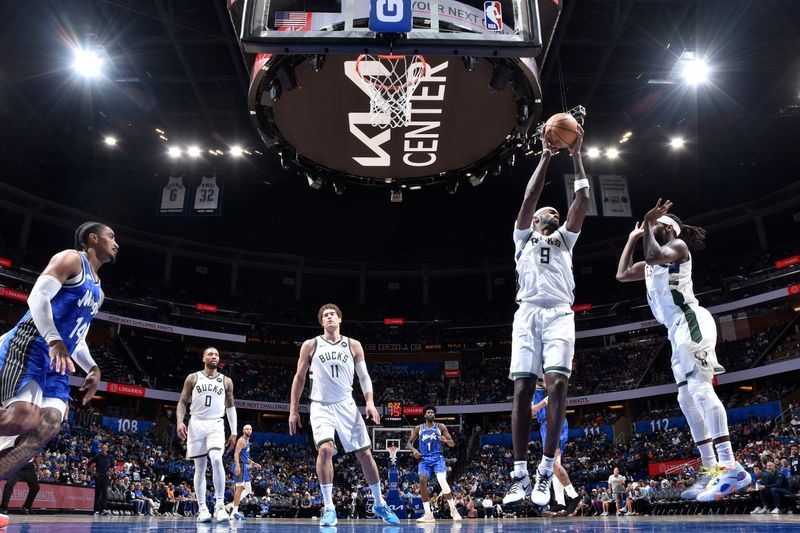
(669, 290)
(208, 397)
(206, 196)
(331, 371)
(544, 267)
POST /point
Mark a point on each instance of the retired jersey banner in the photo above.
(616, 200)
(569, 185)
(173, 197)
(207, 196)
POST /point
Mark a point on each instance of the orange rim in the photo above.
(414, 81)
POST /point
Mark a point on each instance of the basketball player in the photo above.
(543, 333)
(241, 470)
(331, 359)
(431, 436)
(35, 356)
(667, 272)
(209, 396)
(561, 481)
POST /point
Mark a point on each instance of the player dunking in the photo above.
(667, 272)
(561, 481)
(543, 332)
(35, 356)
(431, 436)
(241, 470)
(333, 360)
(209, 396)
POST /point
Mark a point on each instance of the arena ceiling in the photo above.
(175, 66)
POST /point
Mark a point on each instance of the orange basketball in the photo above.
(561, 130)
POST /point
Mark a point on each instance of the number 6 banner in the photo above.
(390, 16)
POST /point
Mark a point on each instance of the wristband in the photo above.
(581, 184)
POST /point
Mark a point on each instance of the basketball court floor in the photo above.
(639, 524)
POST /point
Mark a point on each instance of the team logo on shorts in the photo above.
(702, 358)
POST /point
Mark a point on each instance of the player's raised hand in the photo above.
(181, 430)
(60, 361)
(372, 413)
(294, 423)
(576, 146)
(658, 211)
(638, 231)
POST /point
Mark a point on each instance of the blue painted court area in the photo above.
(641, 524)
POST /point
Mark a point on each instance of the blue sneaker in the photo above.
(386, 514)
(238, 516)
(725, 481)
(328, 518)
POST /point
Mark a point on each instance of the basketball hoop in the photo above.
(390, 81)
(393, 454)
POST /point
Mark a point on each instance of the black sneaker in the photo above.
(26, 510)
(104, 513)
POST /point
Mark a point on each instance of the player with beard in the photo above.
(667, 272)
(431, 435)
(543, 331)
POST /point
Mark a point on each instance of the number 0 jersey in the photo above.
(331, 371)
(544, 267)
(208, 397)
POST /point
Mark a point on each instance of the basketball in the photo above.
(561, 130)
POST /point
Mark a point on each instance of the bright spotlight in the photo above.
(593, 152)
(612, 153)
(236, 151)
(677, 143)
(174, 152)
(110, 141)
(87, 63)
(695, 72)
(193, 151)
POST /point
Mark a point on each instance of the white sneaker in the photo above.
(761, 510)
(520, 489)
(203, 515)
(455, 516)
(604, 513)
(427, 518)
(777, 510)
(704, 476)
(220, 514)
(541, 488)
(757, 510)
(725, 481)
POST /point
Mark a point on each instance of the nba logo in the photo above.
(493, 16)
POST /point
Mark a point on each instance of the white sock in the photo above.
(725, 453)
(546, 465)
(570, 490)
(235, 509)
(427, 507)
(327, 495)
(520, 469)
(707, 455)
(376, 494)
(558, 489)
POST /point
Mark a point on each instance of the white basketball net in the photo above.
(393, 453)
(390, 81)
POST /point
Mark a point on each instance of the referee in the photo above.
(102, 464)
(27, 474)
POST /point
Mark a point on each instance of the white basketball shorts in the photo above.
(694, 341)
(343, 419)
(204, 436)
(542, 341)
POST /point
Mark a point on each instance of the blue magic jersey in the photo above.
(244, 460)
(541, 417)
(24, 354)
(429, 443)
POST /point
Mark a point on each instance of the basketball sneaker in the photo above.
(541, 488)
(203, 515)
(520, 489)
(3, 520)
(704, 475)
(725, 481)
(328, 518)
(238, 516)
(427, 518)
(220, 514)
(456, 516)
(386, 514)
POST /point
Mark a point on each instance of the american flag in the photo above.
(291, 19)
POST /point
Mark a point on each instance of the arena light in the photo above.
(593, 152)
(615, 407)
(174, 152)
(236, 151)
(110, 141)
(676, 143)
(193, 151)
(87, 63)
(612, 153)
(695, 71)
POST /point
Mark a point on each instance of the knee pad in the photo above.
(441, 477)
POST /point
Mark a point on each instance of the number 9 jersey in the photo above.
(544, 267)
(25, 355)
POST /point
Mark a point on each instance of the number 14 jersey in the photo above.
(331, 371)
(544, 267)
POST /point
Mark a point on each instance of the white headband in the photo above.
(543, 209)
(669, 221)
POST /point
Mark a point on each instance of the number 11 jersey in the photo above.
(331, 371)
